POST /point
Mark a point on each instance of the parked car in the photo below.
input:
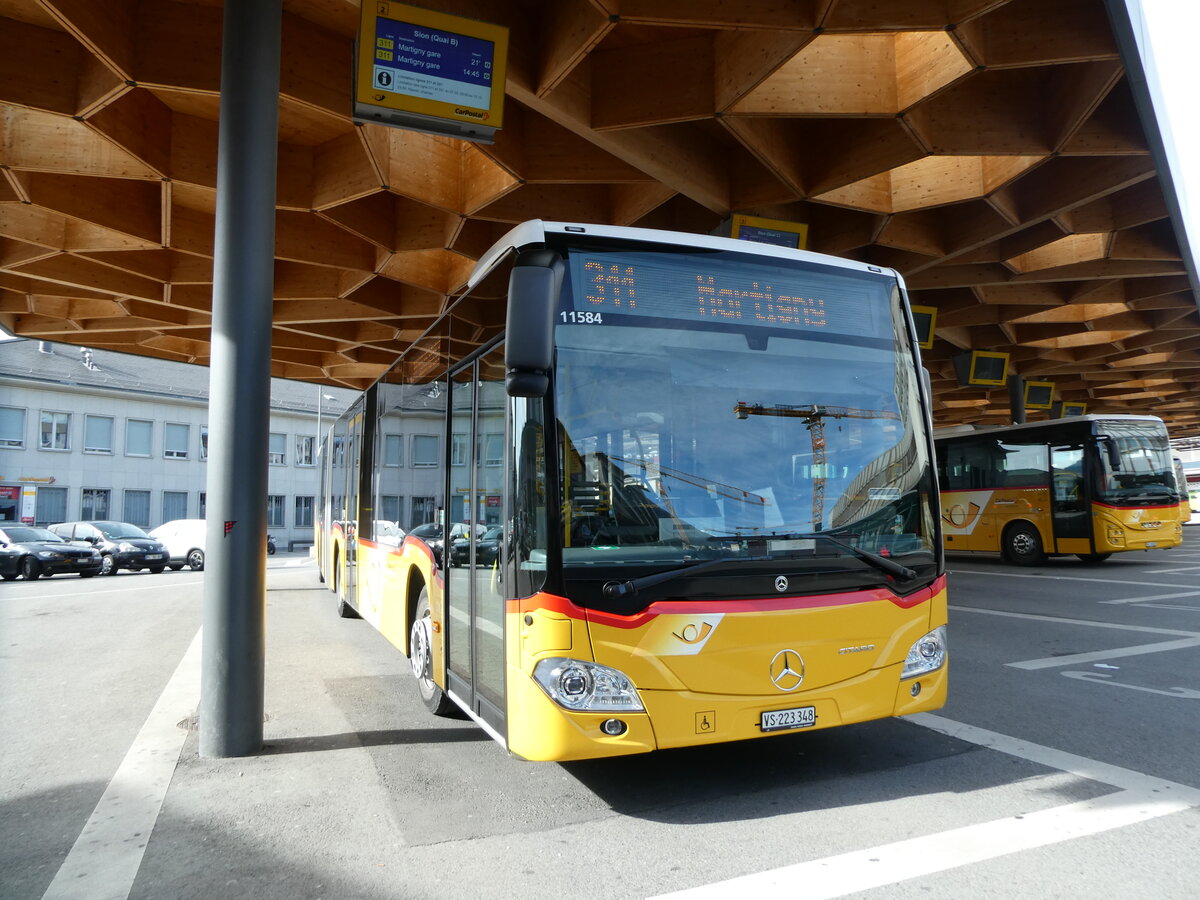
(121, 545)
(487, 548)
(39, 551)
(431, 534)
(184, 539)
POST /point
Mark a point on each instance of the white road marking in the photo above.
(1139, 798)
(1072, 659)
(108, 852)
(1000, 574)
(1172, 571)
(1145, 629)
(1190, 639)
(1154, 597)
(1100, 678)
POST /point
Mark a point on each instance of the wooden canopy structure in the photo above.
(993, 151)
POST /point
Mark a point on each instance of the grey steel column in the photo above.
(231, 699)
(1016, 398)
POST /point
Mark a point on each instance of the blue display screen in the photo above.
(730, 288)
(432, 64)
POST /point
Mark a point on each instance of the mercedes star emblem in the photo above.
(787, 670)
(781, 583)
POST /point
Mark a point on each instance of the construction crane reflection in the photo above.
(813, 416)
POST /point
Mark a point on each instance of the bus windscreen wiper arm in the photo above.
(890, 566)
(872, 559)
(615, 590)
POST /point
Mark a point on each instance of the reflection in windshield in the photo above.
(675, 441)
(1143, 471)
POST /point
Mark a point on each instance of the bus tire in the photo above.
(1093, 557)
(421, 657)
(1023, 545)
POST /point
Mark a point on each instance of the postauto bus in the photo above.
(1089, 485)
(709, 469)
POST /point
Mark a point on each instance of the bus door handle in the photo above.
(1006, 502)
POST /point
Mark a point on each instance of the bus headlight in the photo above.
(586, 686)
(1115, 534)
(926, 655)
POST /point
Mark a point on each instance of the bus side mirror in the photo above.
(1113, 451)
(533, 289)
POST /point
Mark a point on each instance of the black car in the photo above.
(487, 548)
(121, 545)
(33, 552)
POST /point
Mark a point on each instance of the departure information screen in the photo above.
(729, 288)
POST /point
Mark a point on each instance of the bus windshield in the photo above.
(740, 422)
(1137, 467)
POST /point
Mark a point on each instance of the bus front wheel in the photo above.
(421, 656)
(1023, 545)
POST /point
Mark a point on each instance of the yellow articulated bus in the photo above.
(636, 489)
(1089, 485)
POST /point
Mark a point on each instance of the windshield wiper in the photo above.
(890, 566)
(615, 590)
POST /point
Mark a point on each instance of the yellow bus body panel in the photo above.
(976, 520)
(704, 672)
(1139, 528)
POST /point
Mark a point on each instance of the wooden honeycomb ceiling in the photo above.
(990, 150)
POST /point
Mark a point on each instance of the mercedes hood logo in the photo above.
(787, 670)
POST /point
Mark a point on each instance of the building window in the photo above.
(392, 450)
(12, 427)
(275, 517)
(203, 443)
(389, 508)
(55, 431)
(277, 449)
(304, 513)
(175, 441)
(203, 504)
(424, 451)
(174, 505)
(458, 449)
(423, 510)
(94, 504)
(50, 505)
(97, 434)
(493, 449)
(305, 444)
(138, 435)
(137, 508)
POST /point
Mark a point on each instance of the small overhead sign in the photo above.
(770, 231)
(1039, 394)
(429, 71)
(924, 320)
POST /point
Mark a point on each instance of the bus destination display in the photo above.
(433, 65)
(738, 292)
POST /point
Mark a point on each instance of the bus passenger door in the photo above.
(474, 595)
(1070, 509)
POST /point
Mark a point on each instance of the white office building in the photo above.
(91, 434)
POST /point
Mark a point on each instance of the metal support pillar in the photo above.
(1016, 398)
(232, 673)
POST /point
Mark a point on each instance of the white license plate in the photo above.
(1151, 544)
(796, 717)
(153, 556)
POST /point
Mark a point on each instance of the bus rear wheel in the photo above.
(1023, 545)
(421, 656)
(1093, 557)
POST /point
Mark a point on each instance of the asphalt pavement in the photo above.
(1063, 765)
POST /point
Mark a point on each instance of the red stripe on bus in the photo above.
(554, 603)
